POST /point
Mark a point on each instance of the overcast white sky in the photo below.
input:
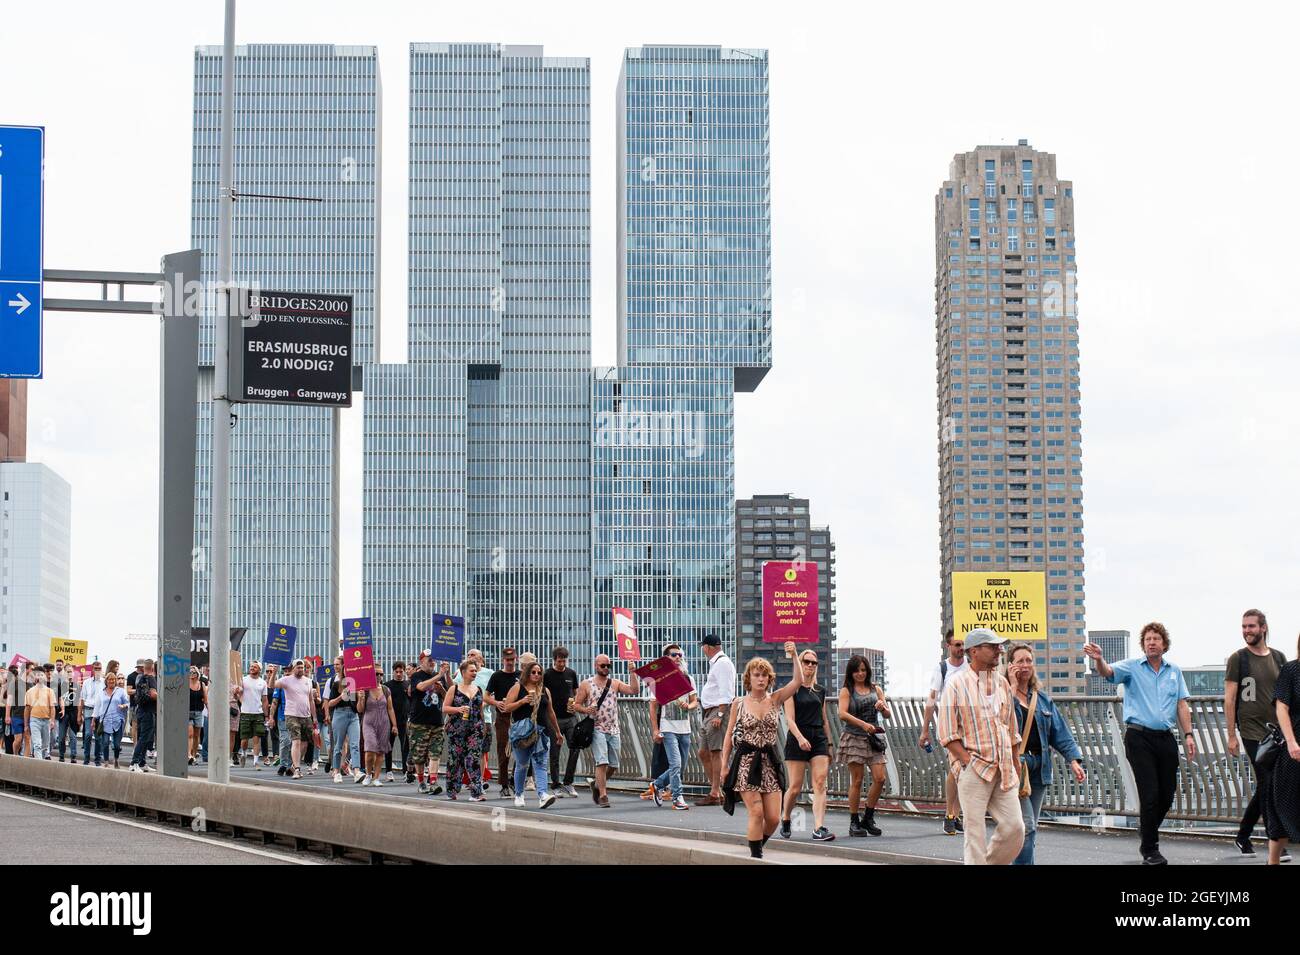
(1175, 125)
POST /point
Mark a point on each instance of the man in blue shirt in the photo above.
(1155, 700)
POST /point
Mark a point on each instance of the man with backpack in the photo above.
(1248, 705)
(955, 662)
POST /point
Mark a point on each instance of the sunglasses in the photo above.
(602, 666)
(809, 663)
(675, 656)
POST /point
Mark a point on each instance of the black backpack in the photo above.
(1243, 670)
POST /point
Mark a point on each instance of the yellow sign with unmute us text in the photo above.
(1012, 605)
(74, 652)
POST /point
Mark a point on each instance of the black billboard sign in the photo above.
(296, 350)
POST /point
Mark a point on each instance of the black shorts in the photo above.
(820, 747)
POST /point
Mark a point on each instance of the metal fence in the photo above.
(1214, 787)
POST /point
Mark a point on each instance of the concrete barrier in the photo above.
(425, 833)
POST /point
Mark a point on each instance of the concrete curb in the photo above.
(440, 835)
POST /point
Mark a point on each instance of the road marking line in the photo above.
(293, 860)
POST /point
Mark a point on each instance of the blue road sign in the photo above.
(22, 249)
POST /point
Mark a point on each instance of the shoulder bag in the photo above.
(584, 731)
(524, 733)
(1270, 748)
(1025, 785)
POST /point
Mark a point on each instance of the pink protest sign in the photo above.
(18, 660)
(789, 601)
(359, 668)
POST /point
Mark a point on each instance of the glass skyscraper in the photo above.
(307, 124)
(694, 327)
(477, 450)
(1010, 442)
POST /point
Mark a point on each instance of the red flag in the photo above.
(625, 631)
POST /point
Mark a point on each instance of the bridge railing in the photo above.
(1214, 787)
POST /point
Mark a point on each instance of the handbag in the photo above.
(1025, 786)
(584, 732)
(524, 733)
(1270, 748)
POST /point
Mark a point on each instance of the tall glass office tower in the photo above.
(1010, 441)
(307, 123)
(477, 451)
(694, 327)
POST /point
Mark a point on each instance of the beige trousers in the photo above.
(977, 797)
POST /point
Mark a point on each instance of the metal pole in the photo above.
(179, 384)
(219, 604)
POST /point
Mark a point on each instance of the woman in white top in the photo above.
(671, 725)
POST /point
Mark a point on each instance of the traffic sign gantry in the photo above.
(22, 249)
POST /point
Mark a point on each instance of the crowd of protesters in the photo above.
(453, 725)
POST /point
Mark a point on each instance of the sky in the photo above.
(1174, 124)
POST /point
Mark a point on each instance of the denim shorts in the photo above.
(604, 749)
(196, 719)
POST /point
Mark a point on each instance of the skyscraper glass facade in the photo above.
(477, 452)
(307, 123)
(694, 326)
(1010, 442)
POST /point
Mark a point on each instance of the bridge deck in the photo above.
(912, 838)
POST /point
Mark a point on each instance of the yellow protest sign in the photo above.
(1012, 605)
(74, 652)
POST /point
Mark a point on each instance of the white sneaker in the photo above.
(547, 800)
(531, 786)
(389, 777)
(136, 769)
(256, 764)
(365, 780)
(357, 775)
(338, 777)
(377, 782)
(519, 802)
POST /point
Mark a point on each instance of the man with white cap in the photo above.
(977, 725)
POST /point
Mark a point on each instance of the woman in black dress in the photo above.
(807, 744)
(1282, 809)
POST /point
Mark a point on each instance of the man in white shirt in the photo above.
(954, 662)
(86, 700)
(719, 690)
(252, 712)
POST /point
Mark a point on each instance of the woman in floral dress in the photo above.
(466, 733)
(756, 771)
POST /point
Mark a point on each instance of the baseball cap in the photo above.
(711, 640)
(141, 662)
(983, 635)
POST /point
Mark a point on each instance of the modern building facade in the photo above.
(778, 527)
(1010, 451)
(13, 420)
(694, 327)
(1114, 646)
(1208, 680)
(477, 450)
(35, 559)
(840, 657)
(307, 124)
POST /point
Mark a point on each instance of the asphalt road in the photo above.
(62, 835)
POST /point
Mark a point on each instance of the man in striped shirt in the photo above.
(977, 725)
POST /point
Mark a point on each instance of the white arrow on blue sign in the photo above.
(22, 249)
